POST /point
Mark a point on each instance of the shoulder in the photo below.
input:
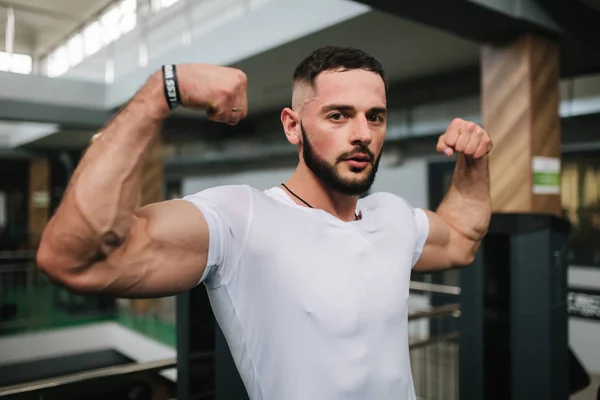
(220, 193)
(233, 197)
(386, 200)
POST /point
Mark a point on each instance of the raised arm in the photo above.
(98, 240)
(461, 221)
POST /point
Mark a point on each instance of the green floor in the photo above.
(36, 310)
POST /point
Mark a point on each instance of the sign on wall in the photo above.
(584, 303)
(546, 175)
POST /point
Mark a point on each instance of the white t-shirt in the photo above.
(313, 308)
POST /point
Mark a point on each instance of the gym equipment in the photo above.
(204, 363)
(513, 322)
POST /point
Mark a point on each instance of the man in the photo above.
(308, 284)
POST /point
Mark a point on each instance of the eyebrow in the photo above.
(346, 107)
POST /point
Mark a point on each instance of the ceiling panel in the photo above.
(41, 24)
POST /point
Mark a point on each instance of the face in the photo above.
(343, 128)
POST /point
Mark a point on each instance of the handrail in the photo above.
(436, 339)
(448, 309)
(79, 377)
(434, 288)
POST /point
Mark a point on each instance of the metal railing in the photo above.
(434, 346)
(30, 301)
(85, 376)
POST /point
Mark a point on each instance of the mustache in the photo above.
(362, 150)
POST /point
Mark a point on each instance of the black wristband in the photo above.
(171, 86)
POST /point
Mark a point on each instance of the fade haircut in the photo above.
(331, 58)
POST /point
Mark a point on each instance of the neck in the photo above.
(307, 186)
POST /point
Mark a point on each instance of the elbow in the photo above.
(466, 257)
(48, 261)
(58, 269)
(465, 261)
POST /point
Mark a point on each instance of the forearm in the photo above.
(95, 214)
(467, 207)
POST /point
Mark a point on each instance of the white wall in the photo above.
(261, 180)
(406, 180)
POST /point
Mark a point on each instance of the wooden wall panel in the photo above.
(153, 176)
(520, 93)
(39, 199)
(545, 124)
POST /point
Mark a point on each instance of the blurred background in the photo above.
(527, 70)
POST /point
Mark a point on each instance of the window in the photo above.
(58, 62)
(18, 63)
(119, 19)
(158, 5)
(75, 48)
(128, 22)
(92, 37)
(111, 29)
(21, 64)
(128, 7)
(4, 61)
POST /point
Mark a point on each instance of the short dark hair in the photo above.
(333, 58)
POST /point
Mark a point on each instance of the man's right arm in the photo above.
(98, 241)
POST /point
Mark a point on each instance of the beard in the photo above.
(328, 174)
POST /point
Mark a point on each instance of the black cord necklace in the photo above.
(356, 216)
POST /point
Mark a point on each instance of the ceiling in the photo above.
(42, 24)
(407, 51)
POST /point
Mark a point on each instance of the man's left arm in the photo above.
(458, 226)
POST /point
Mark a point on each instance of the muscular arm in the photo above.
(98, 240)
(458, 226)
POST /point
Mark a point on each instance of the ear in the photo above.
(291, 125)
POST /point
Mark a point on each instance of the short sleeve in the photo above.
(227, 211)
(422, 232)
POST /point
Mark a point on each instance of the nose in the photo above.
(361, 132)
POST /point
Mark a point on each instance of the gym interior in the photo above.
(522, 322)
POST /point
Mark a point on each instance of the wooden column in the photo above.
(39, 199)
(152, 189)
(153, 177)
(520, 102)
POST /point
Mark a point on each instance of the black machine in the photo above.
(514, 328)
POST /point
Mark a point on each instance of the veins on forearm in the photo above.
(467, 206)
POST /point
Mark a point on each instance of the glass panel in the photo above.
(21, 64)
(58, 62)
(167, 3)
(110, 25)
(128, 7)
(128, 22)
(75, 46)
(4, 61)
(92, 36)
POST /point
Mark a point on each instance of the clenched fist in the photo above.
(220, 91)
(466, 138)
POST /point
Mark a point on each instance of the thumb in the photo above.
(443, 147)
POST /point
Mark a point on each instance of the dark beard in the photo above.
(327, 174)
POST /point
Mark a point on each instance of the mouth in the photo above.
(358, 160)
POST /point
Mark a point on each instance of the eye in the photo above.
(376, 118)
(336, 116)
